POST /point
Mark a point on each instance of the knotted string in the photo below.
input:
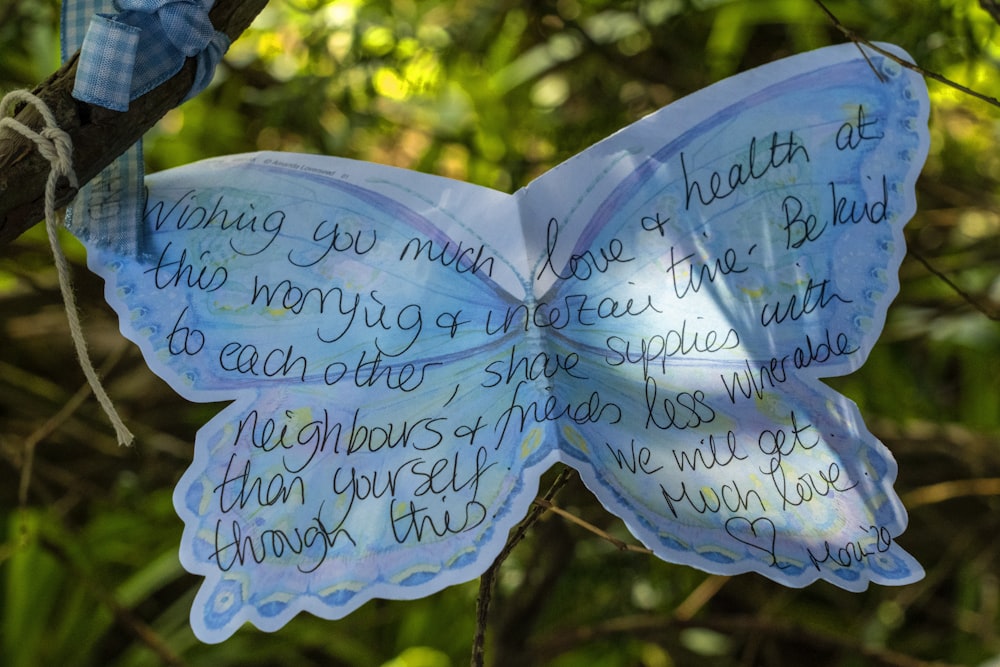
(55, 145)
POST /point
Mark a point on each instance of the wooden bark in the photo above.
(99, 135)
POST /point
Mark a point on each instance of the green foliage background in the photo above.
(497, 92)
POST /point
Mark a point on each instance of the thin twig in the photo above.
(858, 39)
(700, 596)
(483, 600)
(42, 432)
(958, 290)
(956, 488)
(488, 578)
(55, 421)
(124, 616)
(572, 518)
(654, 626)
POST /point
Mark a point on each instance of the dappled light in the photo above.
(497, 94)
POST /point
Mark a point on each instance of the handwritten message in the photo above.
(407, 354)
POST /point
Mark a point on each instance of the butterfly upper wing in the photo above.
(348, 316)
(730, 250)
(241, 243)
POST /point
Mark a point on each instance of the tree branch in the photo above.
(99, 135)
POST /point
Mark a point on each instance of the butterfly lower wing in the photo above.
(790, 484)
(726, 253)
(296, 504)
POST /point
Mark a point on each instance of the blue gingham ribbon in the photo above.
(127, 48)
(126, 55)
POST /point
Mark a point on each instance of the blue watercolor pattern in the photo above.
(405, 355)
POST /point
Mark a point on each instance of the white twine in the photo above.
(55, 145)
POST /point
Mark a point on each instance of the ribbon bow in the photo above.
(128, 54)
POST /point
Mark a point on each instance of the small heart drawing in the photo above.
(757, 534)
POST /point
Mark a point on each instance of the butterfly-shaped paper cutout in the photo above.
(407, 354)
